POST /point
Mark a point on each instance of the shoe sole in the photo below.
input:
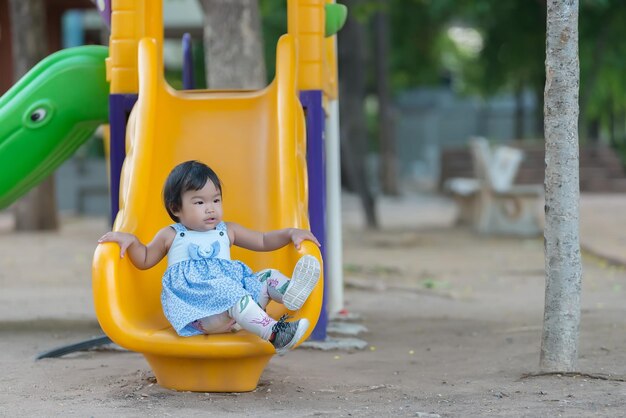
(303, 325)
(303, 280)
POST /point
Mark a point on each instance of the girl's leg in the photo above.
(292, 293)
(305, 275)
(282, 334)
(214, 324)
(274, 285)
(252, 318)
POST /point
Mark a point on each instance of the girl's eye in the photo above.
(217, 201)
(198, 203)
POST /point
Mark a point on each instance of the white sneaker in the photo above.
(303, 280)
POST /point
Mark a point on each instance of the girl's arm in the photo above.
(142, 256)
(267, 241)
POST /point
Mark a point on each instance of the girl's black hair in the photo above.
(190, 175)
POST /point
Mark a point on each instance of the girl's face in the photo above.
(201, 209)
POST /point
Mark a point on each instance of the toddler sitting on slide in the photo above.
(204, 291)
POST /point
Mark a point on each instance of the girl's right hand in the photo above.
(124, 240)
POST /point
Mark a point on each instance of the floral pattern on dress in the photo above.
(204, 284)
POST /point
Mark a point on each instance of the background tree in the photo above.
(386, 132)
(416, 31)
(352, 85)
(508, 57)
(37, 210)
(274, 22)
(561, 322)
(602, 70)
(354, 75)
(233, 44)
(512, 56)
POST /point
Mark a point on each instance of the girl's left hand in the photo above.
(299, 235)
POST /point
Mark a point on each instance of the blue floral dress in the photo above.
(201, 279)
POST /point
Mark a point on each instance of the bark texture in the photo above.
(351, 52)
(233, 44)
(559, 345)
(37, 210)
(386, 134)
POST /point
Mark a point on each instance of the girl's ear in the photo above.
(175, 210)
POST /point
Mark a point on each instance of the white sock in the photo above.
(252, 318)
(274, 286)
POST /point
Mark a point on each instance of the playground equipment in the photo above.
(48, 114)
(268, 154)
(267, 146)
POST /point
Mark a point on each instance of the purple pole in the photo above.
(104, 7)
(312, 103)
(120, 106)
(187, 63)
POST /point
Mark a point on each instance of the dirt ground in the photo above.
(454, 325)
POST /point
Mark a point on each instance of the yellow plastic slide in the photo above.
(255, 141)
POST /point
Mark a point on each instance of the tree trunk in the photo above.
(591, 80)
(538, 115)
(388, 158)
(520, 113)
(37, 209)
(561, 322)
(593, 131)
(233, 44)
(351, 52)
(612, 137)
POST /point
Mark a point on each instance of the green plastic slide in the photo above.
(48, 114)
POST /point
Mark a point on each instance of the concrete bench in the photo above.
(490, 202)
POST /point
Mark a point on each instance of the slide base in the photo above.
(208, 374)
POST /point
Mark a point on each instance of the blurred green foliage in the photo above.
(488, 47)
(274, 24)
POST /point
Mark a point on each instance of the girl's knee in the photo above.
(214, 324)
(263, 275)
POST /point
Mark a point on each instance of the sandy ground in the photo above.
(454, 325)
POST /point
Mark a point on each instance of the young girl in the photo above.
(204, 291)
